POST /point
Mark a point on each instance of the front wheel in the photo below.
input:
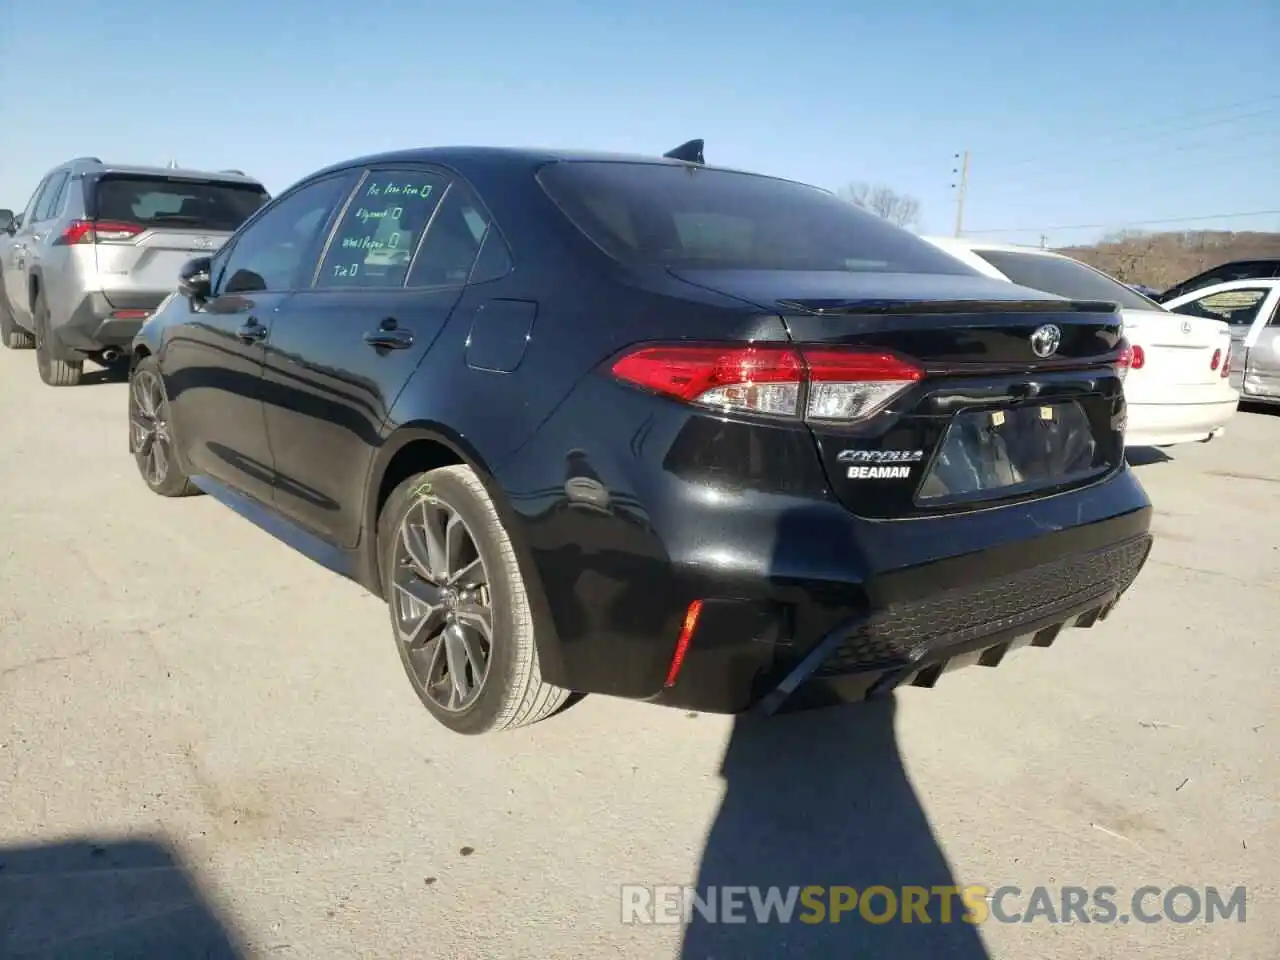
(458, 605)
(150, 434)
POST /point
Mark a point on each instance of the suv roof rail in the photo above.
(86, 160)
(238, 173)
(689, 152)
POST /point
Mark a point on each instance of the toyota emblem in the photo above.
(1186, 326)
(1044, 342)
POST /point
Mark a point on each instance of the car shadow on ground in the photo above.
(1145, 456)
(822, 798)
(96, 898)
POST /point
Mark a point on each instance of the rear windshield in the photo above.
(1066, 278)
(158, 201)
(688, 216)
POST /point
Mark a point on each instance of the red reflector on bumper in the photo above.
(682, 644)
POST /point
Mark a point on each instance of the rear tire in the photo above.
(474, 596)
(150, 438)
(54, 372)
(14, 337)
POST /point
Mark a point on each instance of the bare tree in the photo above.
(884, 202)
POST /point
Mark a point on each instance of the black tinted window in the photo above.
(494, 260)
(159, 202)
(452, 241)
(676, 215)
(1064, 278)
(278, 250)
(380, 230)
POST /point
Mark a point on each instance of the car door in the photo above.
(342, 351)
(17, 276)
(212, 360)
(1246, 306)
(1262, 372)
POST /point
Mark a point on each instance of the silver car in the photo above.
(1251, 309)
(99, 247)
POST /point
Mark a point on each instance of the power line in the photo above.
(1129, 223)
(1080, 176)
(1146, 136)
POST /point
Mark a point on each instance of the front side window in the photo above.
(277, 251)
(1064, 278)
(674, 215)
(176, 203)
(380, 230)
(1237, 307)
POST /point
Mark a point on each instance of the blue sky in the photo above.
(1090, 112)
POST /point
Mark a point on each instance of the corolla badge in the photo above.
(1044, 342)
(206, 243)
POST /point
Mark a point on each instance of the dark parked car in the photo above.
(1223, 272)
(647, 428)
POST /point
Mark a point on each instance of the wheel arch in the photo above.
(424, 445)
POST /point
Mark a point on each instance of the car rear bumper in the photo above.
(1166, 424)
(995, 603)
(800, 596)
(98, 322)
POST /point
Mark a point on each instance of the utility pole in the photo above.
(1044, 242)
(962, 188)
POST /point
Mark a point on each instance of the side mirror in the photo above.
(8, 222)
(193, 279)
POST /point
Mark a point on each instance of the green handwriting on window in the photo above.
(419, 190)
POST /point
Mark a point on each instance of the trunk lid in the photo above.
(990, 421)
(150, 261)
(1178, 351)
(154, 223)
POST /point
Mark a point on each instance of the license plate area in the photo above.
(1010, 451)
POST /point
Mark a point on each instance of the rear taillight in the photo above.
(1217, 359)
(1226, 363)
(820, 383)
(98, 231)
(1125, 359)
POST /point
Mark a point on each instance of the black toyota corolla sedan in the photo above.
(645, 427)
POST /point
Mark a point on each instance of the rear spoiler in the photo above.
(690, 152)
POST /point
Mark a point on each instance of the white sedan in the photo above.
(1178, 389)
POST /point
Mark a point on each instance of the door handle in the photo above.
(252, 332)
(389, 337)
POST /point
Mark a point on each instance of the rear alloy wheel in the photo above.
(458, 605)
(14, 337)
(150, 439)
(54, 372)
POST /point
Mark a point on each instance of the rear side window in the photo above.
(1239, 308)
(183, 204)
(453, 242)
(380, 230)
(49, 200)
(689, 216)
(1064, 278)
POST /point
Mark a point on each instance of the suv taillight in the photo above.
(1226, 362)
(99, 231)
(832, 383)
